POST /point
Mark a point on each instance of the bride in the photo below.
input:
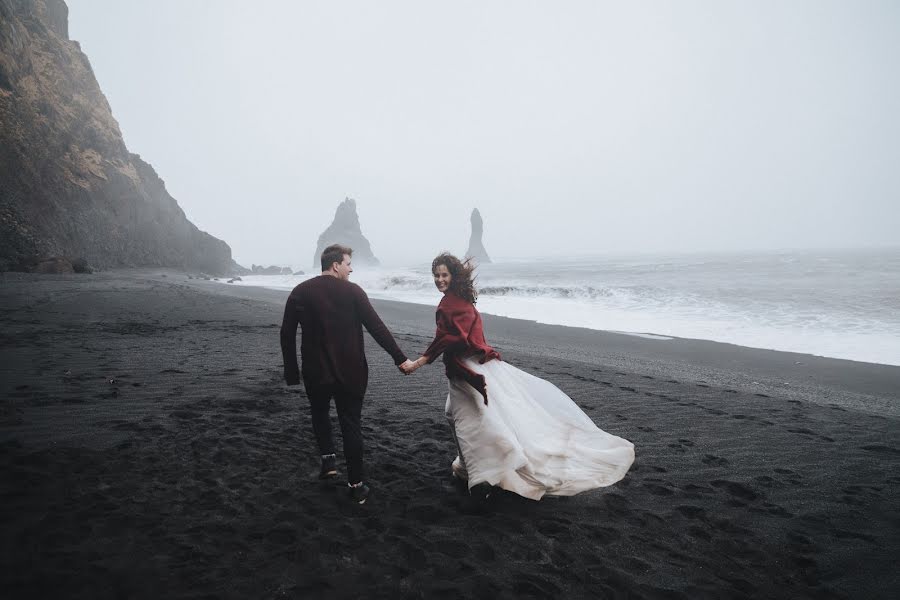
(512, 430)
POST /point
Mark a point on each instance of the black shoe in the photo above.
(475, 501)
(329, 468)
(359, 493)
(481, 492)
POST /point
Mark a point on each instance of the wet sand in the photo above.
(149, 449)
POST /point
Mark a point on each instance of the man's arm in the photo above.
(376, 327)
(289, 342)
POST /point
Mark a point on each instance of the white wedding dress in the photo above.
(531, 438)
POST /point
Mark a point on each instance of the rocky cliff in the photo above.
(345, 230)
(476, 246)
(68, 185)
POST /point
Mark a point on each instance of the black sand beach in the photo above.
(150, 449)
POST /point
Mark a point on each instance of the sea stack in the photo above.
(476, 246)
(345, 230)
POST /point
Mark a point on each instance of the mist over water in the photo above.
(841, 303)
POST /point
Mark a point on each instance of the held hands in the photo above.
(410, 366)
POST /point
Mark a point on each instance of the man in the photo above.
(331, 312)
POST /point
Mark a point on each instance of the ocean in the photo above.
(837, 303)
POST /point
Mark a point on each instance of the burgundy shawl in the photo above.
(460, 334)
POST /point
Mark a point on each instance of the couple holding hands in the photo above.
(512, 430)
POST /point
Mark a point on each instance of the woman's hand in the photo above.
(410, 366)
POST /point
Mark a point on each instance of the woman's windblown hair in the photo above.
(462, 282)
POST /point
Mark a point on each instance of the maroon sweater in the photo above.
(331, 313)
(460, 334)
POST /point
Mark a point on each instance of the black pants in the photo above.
(349, 410)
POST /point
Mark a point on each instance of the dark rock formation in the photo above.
(345, 230)
(68, 185)
(53, 264)
(476, 246)
(272, 270)
(80, 265)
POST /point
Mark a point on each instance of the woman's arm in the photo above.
(419, 362)
(452, 332)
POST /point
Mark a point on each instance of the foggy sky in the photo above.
(574, 127)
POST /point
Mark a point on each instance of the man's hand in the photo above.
(407, 367)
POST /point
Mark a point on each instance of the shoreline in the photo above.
(642, 334)
(819, 317)
(870, 387)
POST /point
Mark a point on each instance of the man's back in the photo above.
(331, 312)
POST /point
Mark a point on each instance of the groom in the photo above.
(331, 312)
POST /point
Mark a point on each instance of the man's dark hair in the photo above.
(334, 254)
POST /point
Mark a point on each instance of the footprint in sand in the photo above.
(880, 449)
(716, 461)
(603, 535)
(681, 445)
(658, 490)
(561, 558)
(552, 529)
(691, 512)
(699, 532)
(636, 565)
(615, 503)
(802, 430)
(735, 489)
(778, 511)
(747, 417)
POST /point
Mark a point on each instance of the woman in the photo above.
(513, 430)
